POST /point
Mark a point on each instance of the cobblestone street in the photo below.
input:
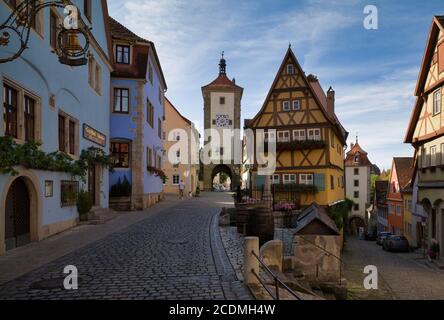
(176, 253)
(402, 276)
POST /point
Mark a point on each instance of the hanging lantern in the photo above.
(71, 51)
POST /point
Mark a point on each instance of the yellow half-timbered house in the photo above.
(310, 140)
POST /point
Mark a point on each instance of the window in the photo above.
(222, 100)
(150, 73)
(275, 179)
(433, 156)
(67, 134)
(270, 136)
(357, 159)
(299, 135)
(122, 54)
(10, 111)
(29, 116)
(296, 105)
(332, 182)
(159, 128)
(72, 137)
(69, 192)
(424, 163)
(176, 179)
(176, 136)
(53, 22)
(283, 136)
(62, 137)
(286, 105)
(149, 113)
(356, 183)
(356, 194)
(289, 179)
(398, 210)
(149, 157)
(121, 100)
(120, 154)
(290, 69)
(356, 171)
(159, 162)
(306, 179)
(87, 9)
(437, 102)
(94, 75)
(356, 207)
(314, 134)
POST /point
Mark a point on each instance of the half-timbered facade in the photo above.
(426, 132)
(309, 137)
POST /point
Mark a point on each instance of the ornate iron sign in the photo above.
(72, 42)
(93, 135)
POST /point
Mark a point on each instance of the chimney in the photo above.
(331, 102)
(234, 80)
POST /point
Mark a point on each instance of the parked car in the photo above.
(396, 243)
(381, 237)
(371, 236)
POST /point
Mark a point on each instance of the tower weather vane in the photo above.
(15, 32)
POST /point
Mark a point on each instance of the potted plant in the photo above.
(197, 191)
(84, 205)
(434, 251)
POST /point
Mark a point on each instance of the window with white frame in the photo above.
(433, 156)
(290, 69)
(299, 135)
(275, 179)
(314, 134)
(289, 179)
(283, 136)
(296, 105)
(306, 179)
(176, 179)
(95, 75)
(286, 106)
(437, 102)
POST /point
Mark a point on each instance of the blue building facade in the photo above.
(137, 115)
(65, 108)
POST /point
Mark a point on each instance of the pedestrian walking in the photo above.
(181, 187)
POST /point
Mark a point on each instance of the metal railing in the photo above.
(328, 254)
(277, 282)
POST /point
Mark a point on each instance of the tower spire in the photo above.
(223, 64)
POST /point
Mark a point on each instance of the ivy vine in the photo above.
(339, 213)
(29, 155)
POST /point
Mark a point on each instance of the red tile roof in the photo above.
(404, 170)
(356, 150)
(222, 81)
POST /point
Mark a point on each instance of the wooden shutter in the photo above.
(441, 57)
(319, 181)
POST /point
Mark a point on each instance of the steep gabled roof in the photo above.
(177, 111)
(404, 170)
(356, 150)
(316, 90)
(140, 51)
(437, 25)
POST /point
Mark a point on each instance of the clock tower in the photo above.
(222, 112)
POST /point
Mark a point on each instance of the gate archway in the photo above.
(223, 169)
(354, 224)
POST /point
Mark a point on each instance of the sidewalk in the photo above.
(22, 260)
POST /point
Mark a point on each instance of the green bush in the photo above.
(84, 202)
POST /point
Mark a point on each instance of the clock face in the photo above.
(222, 120)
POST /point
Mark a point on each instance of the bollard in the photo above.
(250, 261)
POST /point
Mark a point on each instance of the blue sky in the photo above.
(373, 72)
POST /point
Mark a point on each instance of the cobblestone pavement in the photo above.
(174, 254)
(401, 275)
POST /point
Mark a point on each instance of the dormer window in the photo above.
(122, 54)
(357, 159)
(290, 69)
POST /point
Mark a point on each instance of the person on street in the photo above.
(181, 187)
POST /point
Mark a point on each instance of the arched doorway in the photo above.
(17, 215)
(222, 178)
(354, 224)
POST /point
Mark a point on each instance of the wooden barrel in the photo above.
(261, 224)
(242, 211)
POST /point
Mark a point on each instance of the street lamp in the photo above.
(15, 33)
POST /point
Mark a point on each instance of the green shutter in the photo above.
(319, 181)
(259, 181)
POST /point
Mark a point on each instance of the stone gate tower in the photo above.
(222, 111)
